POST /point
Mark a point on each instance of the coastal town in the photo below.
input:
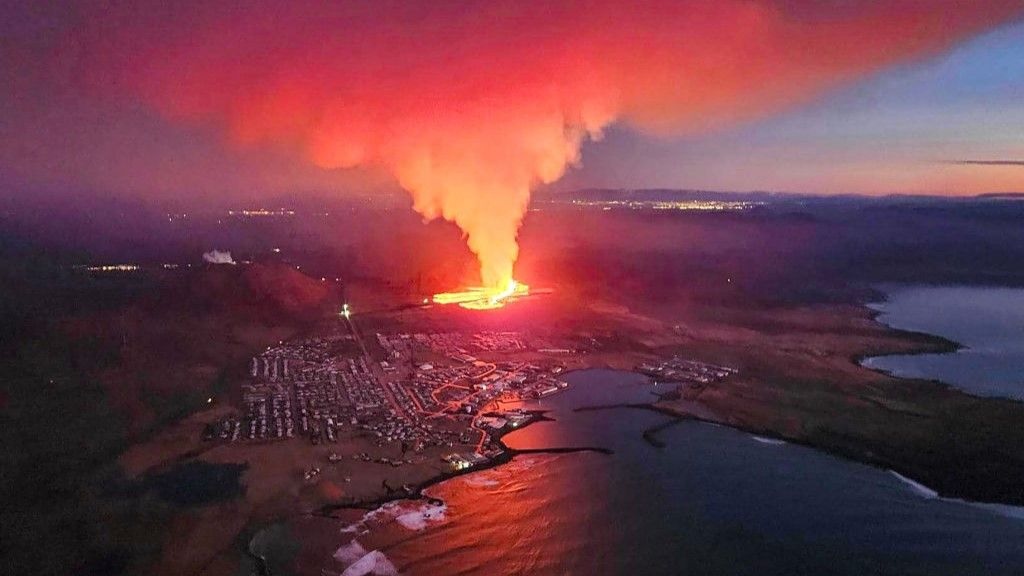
(686, 372)
(446, 394)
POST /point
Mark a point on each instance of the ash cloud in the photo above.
(469, 105)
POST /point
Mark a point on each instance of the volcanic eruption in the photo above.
(482, 298)
(470, 105)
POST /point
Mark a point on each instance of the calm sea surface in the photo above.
(713, 501)
(989, 322)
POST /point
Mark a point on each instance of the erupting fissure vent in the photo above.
(479, 298)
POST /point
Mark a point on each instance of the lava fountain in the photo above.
(482, 298)
(470, 105)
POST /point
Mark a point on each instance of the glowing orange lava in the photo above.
(479, 298)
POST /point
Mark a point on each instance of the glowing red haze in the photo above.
(470, 104)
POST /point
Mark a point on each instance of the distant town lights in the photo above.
(262, 212)
(113, 268)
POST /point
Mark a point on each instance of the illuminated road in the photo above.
(374, 367)
(356, 336)
(455, 404)
(483, 375)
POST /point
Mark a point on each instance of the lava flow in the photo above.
(479, 298)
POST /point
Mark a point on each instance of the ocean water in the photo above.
(197, 483)
(712, 501)
(989, 322)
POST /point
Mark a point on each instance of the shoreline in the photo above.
(852, 448)
(930, 344)
(951, 347)
(650, 436)
(506, 456)
(944, 346)
(1008, 510)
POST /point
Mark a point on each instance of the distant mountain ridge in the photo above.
(1002, 196)
(665, 194)
(670, 194)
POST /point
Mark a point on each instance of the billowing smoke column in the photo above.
(470, 104)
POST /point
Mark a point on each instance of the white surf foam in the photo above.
(421, 517)
(921, 489)
(383, 514)
(769, 441)
(350, 553)
(372, 563)
(1007, 510)
(409, 515)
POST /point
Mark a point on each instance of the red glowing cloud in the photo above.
(470, 104)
